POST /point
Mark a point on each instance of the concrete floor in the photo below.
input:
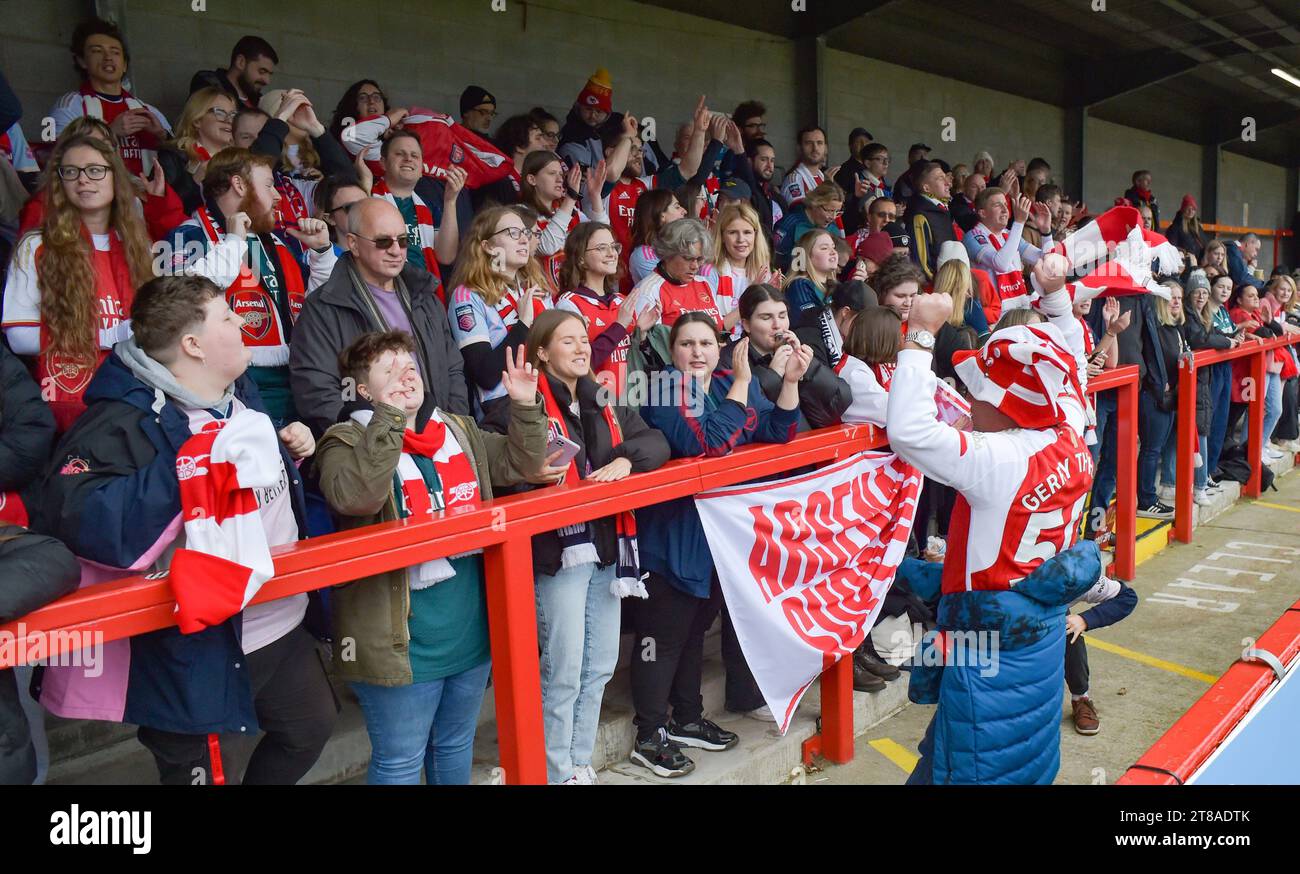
(1137, 700)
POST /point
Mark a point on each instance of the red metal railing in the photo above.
(1259, 354)
(1126, 381)
(1182, 749)
(503, 528)
(1275, 234)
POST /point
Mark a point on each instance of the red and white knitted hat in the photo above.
(226, 558)
(1113, 256)
(1026, 371)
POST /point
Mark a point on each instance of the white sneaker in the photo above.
(762, 714)
(1271, 454)
(1202, 497)
(589, 773)
(575, 780)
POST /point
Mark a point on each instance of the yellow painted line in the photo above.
(1152, 536)
(896, 753)
(1277, 506)
(1150, 660)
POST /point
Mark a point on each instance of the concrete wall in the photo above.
(1112, 152)
(1252, 193)
(901, 106)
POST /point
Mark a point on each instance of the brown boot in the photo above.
(1085, 716)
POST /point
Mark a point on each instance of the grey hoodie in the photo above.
(161, 380)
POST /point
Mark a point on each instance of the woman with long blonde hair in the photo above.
(492, 302)
(206, 127)
(71, 283)
(741, 259)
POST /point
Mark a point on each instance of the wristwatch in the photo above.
(924, 339)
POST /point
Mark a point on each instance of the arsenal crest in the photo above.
(254, 307)
(70, 373)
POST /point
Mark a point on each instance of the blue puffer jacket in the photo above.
(1000, 712)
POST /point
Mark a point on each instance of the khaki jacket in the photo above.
(356, 477)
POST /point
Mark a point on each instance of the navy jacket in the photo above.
(110, 494)
(1238, 270)
(670, 535)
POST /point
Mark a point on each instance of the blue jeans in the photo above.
(1220, 402)
(1272, 404)
(1169, 461)
(1154, 428)
(1103, 453)
(429, 725)
(578, 623)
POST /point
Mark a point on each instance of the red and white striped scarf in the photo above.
(424, 218)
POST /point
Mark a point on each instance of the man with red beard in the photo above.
(232, 241)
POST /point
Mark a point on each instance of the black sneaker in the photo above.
(864, 680)
(703, 734)
(874, 664)
(663, 757)
(1156, 511)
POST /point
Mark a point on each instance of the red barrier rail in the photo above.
(1181, 750)
(1259, 354)
(1126, 381)
(1276, 234)
(503, 528)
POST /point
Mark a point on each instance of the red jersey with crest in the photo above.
(63, 378)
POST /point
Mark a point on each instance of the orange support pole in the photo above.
(837, 711)
(1187, 446)
(1126, 434)
(1255, 419)
(516, 677)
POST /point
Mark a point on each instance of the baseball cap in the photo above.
(736, 188)
(876, 247)
(898, 234)
(916, 146)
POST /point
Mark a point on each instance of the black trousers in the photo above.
(295, 705)
(936, 501)
(1076, 666)
(668, 656)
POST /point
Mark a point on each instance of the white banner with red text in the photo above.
(805, 563)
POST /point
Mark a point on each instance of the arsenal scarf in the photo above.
(575, 540)
(423, 218)
(444, 143)
(433, 475)
(268, 310)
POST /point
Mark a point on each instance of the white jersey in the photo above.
(799, 181)
(1021, 490)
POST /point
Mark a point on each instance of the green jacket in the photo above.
(356, 477)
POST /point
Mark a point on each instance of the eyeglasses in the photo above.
(489, 114)
(94, 172)
(517, 234)
(550, 134)
(370, 95)
(386, 243)
(692, 259)
(606, 248)
(221, 114)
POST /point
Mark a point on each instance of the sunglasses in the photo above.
(385, 243)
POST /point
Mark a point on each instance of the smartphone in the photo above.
(567, 448)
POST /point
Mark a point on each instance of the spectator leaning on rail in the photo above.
(373, 288)
(420, 658)
(584, 569)
(113, 495)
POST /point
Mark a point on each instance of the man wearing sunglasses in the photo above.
(373, 288)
